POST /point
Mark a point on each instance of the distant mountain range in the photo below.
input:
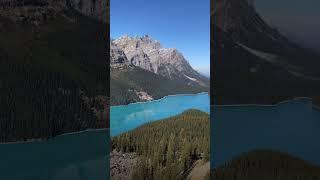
(255, 63)
(147, 61)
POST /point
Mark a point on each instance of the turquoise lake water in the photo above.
(127, 117)
(78, 156)
(292, 127)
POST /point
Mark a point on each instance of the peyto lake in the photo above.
(292, 127)
(81, 156)
(127, 117)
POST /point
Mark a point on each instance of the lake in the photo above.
(291, 126)
(80, 156)
(127, 117)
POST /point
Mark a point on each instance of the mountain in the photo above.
(182, 141)
(133, 78)
(53, 71)
(97, 9)
(255, 63)
(268, 165)
(149, 54)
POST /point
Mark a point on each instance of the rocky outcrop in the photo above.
(122, 165)
(149, 54)
(117, 56)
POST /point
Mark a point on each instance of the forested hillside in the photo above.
(167, 149)
(53, 72)
(128, 81)
(266, 165)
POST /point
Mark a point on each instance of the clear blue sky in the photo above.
(181, 24)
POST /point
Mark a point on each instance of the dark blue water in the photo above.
(292, 127)
(79, 156)
(128, 117)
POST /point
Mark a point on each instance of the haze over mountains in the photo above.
(169, 69)
(255, 63)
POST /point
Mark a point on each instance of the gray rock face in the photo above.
(117, 56)
(139, 58)
(149, 54)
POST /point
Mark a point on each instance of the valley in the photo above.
(156, 96)
(160, 73)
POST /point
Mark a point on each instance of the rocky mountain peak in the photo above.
(244, 25)
(145, 42)
(148, 53)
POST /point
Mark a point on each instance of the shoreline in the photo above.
(52, 138)
(269, 105)
(163, 119)
(155, 100)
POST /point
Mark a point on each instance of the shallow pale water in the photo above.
(78, 156)
(127, 117)
(292, 127)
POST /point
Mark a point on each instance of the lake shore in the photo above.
(127, 117)
(154, 100)
(263, 105)
(40, 140)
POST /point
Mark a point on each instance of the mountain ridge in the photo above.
(255, 62)
(134, 79)
(149, 54)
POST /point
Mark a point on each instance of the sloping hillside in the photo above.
(53, 72)
(253, 62)
(133, 84)
(266, 165)
(182, 140)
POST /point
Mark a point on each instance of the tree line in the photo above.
(167, 148)
(266, 165)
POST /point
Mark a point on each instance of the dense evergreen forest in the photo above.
(266, 165)
(127, 81)
(53, 73)
(168, 148)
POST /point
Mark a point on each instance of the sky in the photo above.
(298, 19)
(180, 24)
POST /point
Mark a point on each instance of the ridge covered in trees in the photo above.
(167, 148)
(54, 76)
(266, 165)
(127, 81)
